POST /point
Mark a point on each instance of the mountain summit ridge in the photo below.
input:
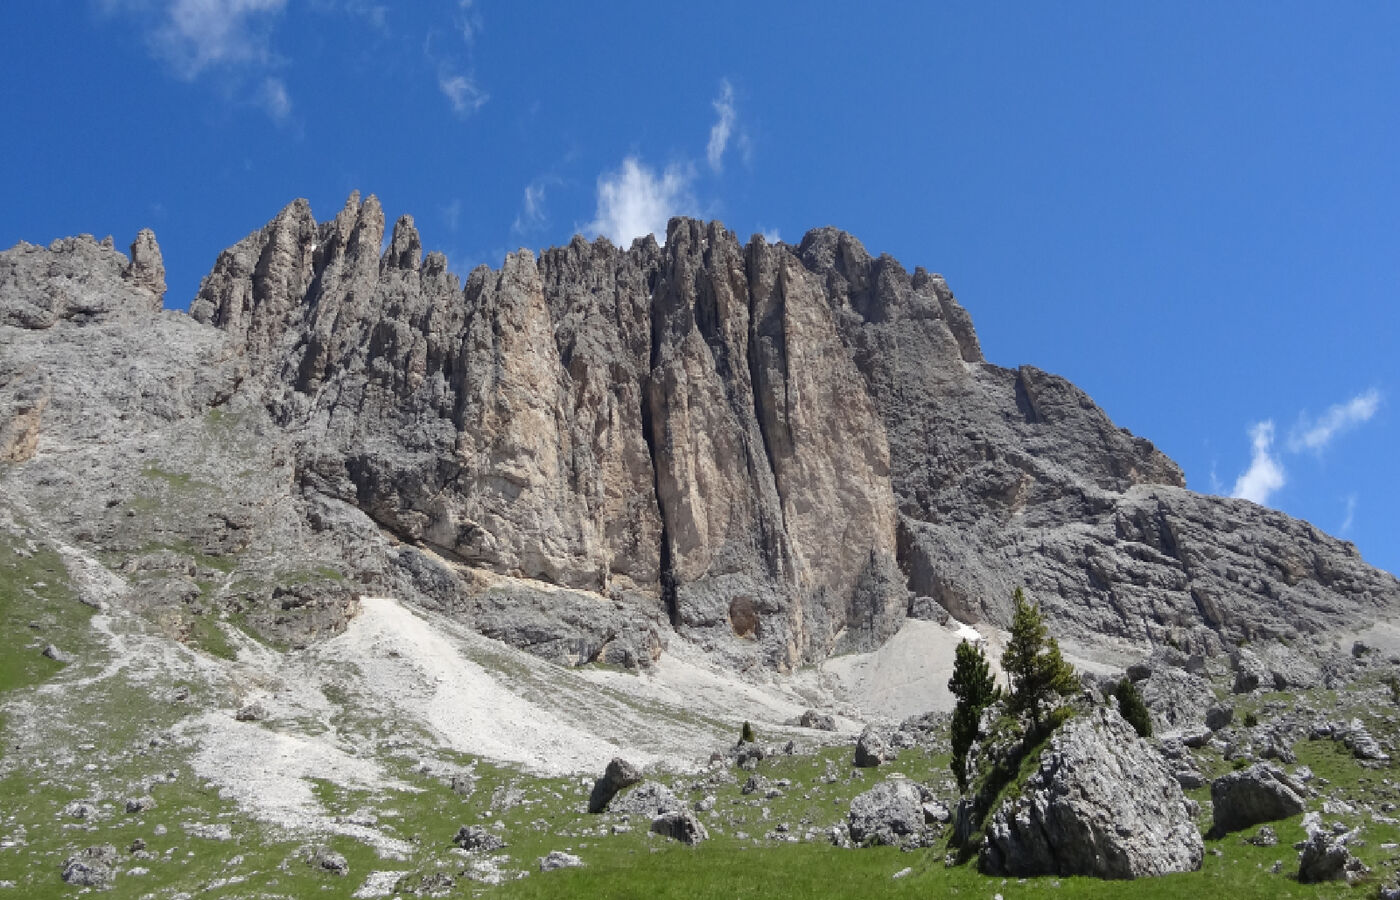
(776, 451)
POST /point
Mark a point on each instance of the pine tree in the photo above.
(1033, 662)
(1133, 709)
(975, 688)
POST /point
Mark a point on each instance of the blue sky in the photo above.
(1190, 210)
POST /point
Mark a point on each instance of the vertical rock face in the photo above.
(779, 449)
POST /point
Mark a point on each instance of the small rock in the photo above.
(327, 860)
(558, 859)
(1219, 716)
(91, 867)
(681, 825)
(474, 837)
(253, 712)
(816, 720)
(140, 804)
(1264, 837)
(57, 655)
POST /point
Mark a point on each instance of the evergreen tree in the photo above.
(972, 683)
(1133, 709)
(1033, 662)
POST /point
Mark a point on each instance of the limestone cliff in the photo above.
(776, 451)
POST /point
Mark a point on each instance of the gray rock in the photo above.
(252, 712)
(57, 655)
(94, 867)
(1102, 802)
(1176, 699)
(647, 800)
(1260, 793)
(477, 838)
(140, 804)
(558, 859)
(872, 749)
(1326, 857)
(1219, 715)
(892, 812)
(680, 825)
(817, 720)
(765, 448)
(324, 859)
(619, 774)
(1264, 837)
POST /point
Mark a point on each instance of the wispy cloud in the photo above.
(533, 216)
(275, 99)
(635, 201)
(200, 34)
(1350, 518)
(1265, 474)
(723, 127)
(1339, 418)
(465, 95)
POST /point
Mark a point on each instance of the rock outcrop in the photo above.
(1102, 802)
(775, 451)
(1260, 793)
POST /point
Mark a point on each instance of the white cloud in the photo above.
(1350, 518)
(463, 93)
(1315, 436)
(723, 127)
(275, 99)
(532, 216)
(634, 201)
(452, 214)
(771, 235)
(1265, 473)
(198, 34)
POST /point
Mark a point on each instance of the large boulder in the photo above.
(1101, 802)
(649, 799)
(1326, 857)
(680, 825)
(872, 749)
(1260, 793)
(619, 774)
(892, 812)
(94, 867)
(1177, 699)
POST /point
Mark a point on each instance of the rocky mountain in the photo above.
(776, 452)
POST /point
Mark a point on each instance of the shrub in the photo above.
(746, 735)
(1133, 709)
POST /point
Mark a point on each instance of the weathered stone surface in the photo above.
(817, 720)
(1261, 793)
(94, 867)
(1326, 857)
(477, 838)
(872, 749)
(1177, 699)
(1102, 802)
(891, 813)
(762, 447)
(558, 859)
(649, 799)
(680, 825)
(619, 774)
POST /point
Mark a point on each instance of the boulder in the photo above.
(1101, 802)
(872, 749)
(649, 800)
(1176, 698)
(1258, 794)
(94, 866)
(474, 837)
(892, 813)
(324, 859)
(1326, 857)
(558, 859)
(680, 825)
(819, 721)
(1219, 716)
(619, 774)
